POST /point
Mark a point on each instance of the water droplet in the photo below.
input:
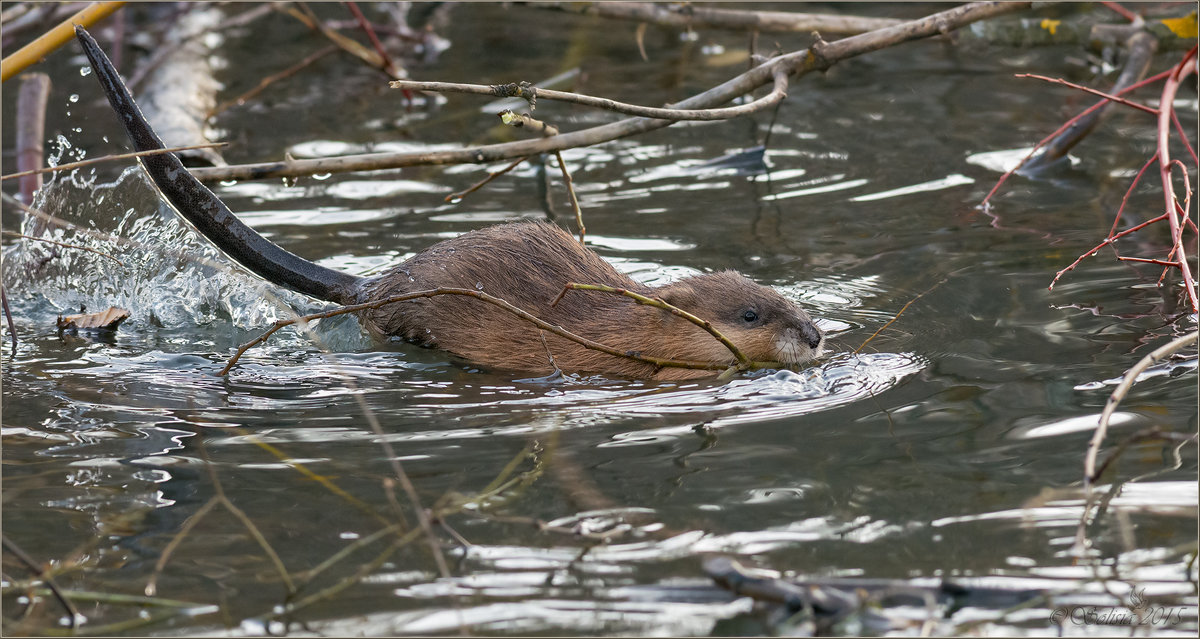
(228, 182)
(85, 71)
(321, 176)
(74, 97)
(1094, 253)
(455, 200)
(104, 138)
(479, 286)
(77, 130)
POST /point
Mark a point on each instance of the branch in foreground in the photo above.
(1110, 406)
(657, 303)
(795, 63)
(108, 158)
(523, 314)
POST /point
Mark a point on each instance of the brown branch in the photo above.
(458, 196)
(12, 328)
(271, 79)
(388, 65)
(525, 120)
(1106, 96)
(1093, 449)
(795, 63)
(40, 572)
(743, 361)
(63, 244)
(899, 313)
(373, 59)
(109, 158)
(562, 165)
(522, 90)
(693, 16)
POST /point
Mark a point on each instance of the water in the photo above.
(951, 446)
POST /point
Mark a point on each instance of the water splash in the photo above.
(168, 275)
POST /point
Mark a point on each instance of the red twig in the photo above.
(1064, 127)
(1143, 259)
(1106, 96)
(1125, 200)
(1122, 11)
(1165, 165)
(1184, 136)
(366, 26)
(1107, 241)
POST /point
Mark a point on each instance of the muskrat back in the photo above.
(529, 263)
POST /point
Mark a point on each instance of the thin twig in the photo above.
(1080, 87)
(305, 15)
(1110, 406)
(271, 79)
(152, 585)
(109, 158)
(388, 65)
(899, 313)
(457, 197)
(63, 244)
(562, 164)
(40, 573)
(309, 575)
(795, 63)
(1107, 241)
(522, 90)
(1066, 125)
(12, 328)
(742, 360)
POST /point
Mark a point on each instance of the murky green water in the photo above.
(951, 446)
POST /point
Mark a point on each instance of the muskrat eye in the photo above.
(750, 317)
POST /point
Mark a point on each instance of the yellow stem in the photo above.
(33, 52)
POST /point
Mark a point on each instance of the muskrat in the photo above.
(525, 263)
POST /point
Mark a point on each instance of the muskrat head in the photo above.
(763, 324)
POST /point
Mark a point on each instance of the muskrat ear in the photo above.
(680, 296)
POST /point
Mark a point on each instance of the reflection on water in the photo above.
(949, 445)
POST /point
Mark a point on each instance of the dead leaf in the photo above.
(107, 320)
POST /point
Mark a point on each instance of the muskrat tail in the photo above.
(204, 210)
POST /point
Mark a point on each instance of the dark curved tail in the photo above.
(200, 206)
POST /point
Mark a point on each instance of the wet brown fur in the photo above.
(528, 263)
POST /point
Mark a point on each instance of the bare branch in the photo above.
(796, 63)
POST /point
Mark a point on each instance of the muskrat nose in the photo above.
(810, 334)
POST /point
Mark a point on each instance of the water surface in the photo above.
(950, 446)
